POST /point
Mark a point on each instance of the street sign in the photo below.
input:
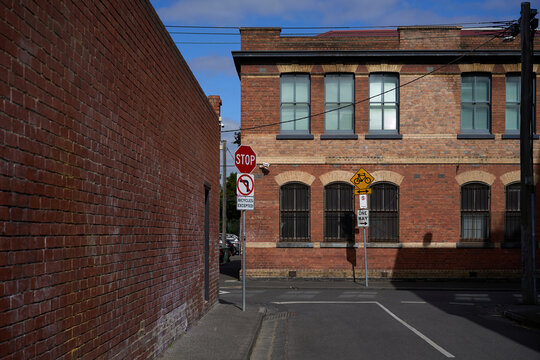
(362, 218)
(245, 185)
(363, 201)
(245, 159)
(245, 203)
(367, 191)
(245, 192)
(362, 179)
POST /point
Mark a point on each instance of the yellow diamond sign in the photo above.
(362, 179)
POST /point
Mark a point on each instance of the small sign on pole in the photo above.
(362, 218)
(363, 201)
(245, 192)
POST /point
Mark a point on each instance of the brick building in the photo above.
(109, 183)
(431, 112)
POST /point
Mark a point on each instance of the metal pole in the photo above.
(224, 201)
(244, 260)
(365, 257)
(528, 246)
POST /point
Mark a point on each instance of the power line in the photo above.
(329, 39)
(374, 96)
(500, 22)
(493, 28)
(380, 39)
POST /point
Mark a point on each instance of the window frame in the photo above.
(295, 104)
(475, 214)
(343, 215)
(475, 105)
(339, 104)
(512, 214)
(517, 104)
(385, 214)
(295, 212)
(383, 103)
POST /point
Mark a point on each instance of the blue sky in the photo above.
(212, 63)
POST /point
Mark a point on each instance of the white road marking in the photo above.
(461, 303)
(222, 292)
(413, 302)
(402, 322)
(472, 297)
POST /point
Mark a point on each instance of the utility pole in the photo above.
(528, 25)
(224, 200)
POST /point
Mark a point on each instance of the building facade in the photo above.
(431, 112)
(109, 183)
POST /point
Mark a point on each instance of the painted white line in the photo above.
(458, 303)
(413, 302)
(402, 322)
(322, 302)
(221, 292)
(422, 336)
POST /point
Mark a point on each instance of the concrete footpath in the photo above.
(226, 332)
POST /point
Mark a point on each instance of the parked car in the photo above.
(233, 246)
(235, 241)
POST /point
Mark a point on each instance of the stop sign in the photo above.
(245, 159)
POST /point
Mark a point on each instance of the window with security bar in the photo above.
(384, 213)
(475, 218)
(339, 212)
(294, 212)
(512, 227)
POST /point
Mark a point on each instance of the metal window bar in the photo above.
(384, 213)
(294, 213)
(475, 217)
(512, 228)
(339, 212)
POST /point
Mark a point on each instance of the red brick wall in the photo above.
(106, 144)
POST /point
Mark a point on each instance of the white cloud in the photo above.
(338, 12)
(236, 11)
(213, 64)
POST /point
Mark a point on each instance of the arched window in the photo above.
(384, 213)
(475, 217)
(294, 212)
(338, 212)
(512, 228)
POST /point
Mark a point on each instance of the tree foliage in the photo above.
(233, 215)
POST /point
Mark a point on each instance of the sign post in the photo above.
(245, 161)
(362, 219)
(362, 180)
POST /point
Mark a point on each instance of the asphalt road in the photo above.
(363, 323)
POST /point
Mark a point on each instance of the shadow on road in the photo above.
(232, 268)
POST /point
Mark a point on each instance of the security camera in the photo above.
(265, 164)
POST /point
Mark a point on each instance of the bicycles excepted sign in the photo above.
(362, 179)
